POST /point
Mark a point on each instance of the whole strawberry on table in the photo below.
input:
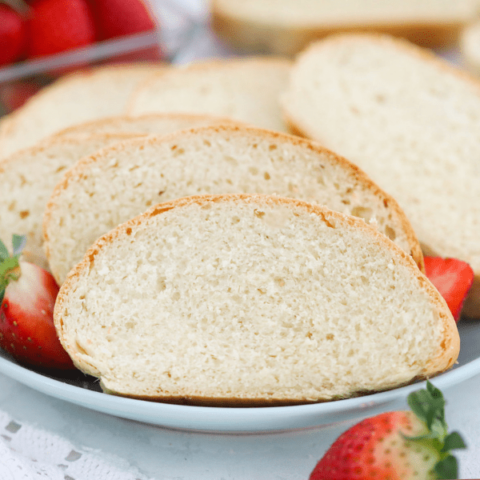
(27, 300)
(404, 445)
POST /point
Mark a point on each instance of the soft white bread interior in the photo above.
(410, 121)
(287, 26)
(28, 178)
(470, 47)
(251, 300)
(154, 123)
(76, 98)
(245, 89)
(120, 182)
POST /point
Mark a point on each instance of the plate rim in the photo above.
(227, 419)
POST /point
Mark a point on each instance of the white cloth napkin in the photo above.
(27, 453)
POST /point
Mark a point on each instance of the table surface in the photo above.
(163, 454)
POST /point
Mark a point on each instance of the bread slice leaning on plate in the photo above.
(242, 300)
(76, 98)
(27, 180)
(409, 120)
(123, 181)
(245, 89)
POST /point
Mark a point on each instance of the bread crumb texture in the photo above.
(254, 298)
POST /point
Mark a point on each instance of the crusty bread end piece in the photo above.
(244, 300)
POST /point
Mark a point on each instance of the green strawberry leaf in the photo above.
(447, 469)
(453, 441)
(18, 243)
(429, 406)
(4, 253)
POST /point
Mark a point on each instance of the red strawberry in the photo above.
(452, 278)
(396, 445)
(59, 25)
(27, 299)
(116, 18)
(13, 35)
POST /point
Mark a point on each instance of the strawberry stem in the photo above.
(429, 406)
(10, 264)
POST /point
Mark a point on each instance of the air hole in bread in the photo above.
(231, 160)
(390, 232)
(362, 212)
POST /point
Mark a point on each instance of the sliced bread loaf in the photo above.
(245, 89)
(155, 123)
(28, 178)
(286, 26)
(251, 300)
(76, 98)
(409, 120)
(109, 188)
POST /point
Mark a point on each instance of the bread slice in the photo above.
(111, 187)
(28, 178)
(409, 120)
(155, 123)
(245, 89)
(242, 300)
(470, 47)
(285, 27)
(76, 98)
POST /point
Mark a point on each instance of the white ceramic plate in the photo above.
(86, 392)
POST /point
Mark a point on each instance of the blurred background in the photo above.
(41, 40)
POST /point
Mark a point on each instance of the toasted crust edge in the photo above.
(75, 130)
(448, 351)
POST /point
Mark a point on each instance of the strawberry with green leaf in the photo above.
(401, 445)
(27, 299)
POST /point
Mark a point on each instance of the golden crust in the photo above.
(112, 121)
(357, 174)
(445, 358)
(270, 37)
